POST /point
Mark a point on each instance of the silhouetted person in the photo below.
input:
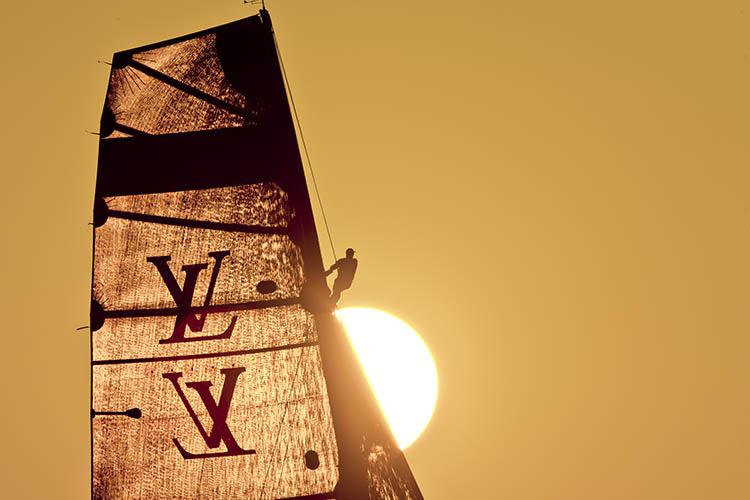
(345, 268)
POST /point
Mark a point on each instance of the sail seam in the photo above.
(204, 355)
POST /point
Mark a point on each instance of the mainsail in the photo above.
(218, 369)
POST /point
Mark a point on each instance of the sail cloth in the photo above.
(213, 353)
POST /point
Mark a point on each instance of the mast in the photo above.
(218, 370)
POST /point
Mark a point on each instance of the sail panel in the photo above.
(279, 412)
(146, 105)
(146, 257)
(212, 80)
(262, 204)
(124, 339)
(195, 62)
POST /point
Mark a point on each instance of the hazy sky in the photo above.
(555, 194)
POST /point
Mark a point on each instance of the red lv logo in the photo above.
(183, 297)
(217, 411)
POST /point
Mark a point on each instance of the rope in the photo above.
(304, 147)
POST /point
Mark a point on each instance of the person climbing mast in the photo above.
(345, 268)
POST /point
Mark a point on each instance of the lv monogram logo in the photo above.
(218, 411)
(183, 297)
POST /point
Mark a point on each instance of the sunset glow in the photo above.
(398, 366)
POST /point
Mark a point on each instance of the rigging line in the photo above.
(304, 146)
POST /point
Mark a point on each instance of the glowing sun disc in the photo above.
(399, 367)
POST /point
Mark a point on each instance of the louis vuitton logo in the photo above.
(183, 297)
(218, 411)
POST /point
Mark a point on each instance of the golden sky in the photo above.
(554, 194)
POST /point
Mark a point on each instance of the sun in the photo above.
(399, 367)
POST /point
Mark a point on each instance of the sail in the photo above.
(218, 369)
